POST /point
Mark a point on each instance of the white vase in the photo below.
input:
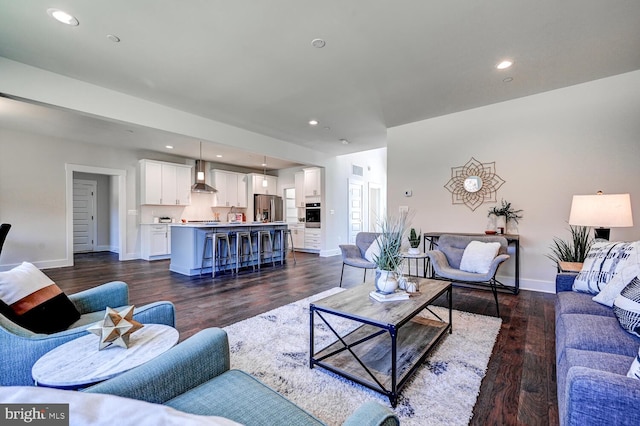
(414, 250)
(386, 281)
(501, 224)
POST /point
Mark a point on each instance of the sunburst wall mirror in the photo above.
(474, 183)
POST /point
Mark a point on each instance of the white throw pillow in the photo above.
(107, 410)
(601, 264)
(373, 251)
(477, 256)
(626, 269)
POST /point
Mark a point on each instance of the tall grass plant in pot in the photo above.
(389, 259)
(574, 250)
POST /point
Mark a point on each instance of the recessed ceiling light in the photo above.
(313, 122)
(504, 64)
(113, 38)
(507, 79)
(218, 156)
(62, 16)
(318, 43)
(169, 146)
(344, 141)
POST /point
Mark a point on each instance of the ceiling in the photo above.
(251, 63)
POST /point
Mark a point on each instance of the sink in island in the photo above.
(187, 242)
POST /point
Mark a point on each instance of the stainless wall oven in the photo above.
(312, 215)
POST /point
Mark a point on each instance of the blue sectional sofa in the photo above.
(593, 355)
(195, 377)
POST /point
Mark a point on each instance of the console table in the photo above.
(431, 241)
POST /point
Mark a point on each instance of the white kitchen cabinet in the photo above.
(183, 185)
(297, 235)
(312, 238)
(232, 189)
(312, 182)
(299, 185)
(155, 241)
(272, 185)
(164, 183)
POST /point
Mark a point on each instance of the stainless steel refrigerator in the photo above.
(267, 208)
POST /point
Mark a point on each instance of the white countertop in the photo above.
(224, 224)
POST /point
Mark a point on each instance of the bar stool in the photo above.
(260, 236)
(278, 247)
(293, 250)
(241, 254)
(216, 239)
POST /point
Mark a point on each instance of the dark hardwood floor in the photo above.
(518, 389)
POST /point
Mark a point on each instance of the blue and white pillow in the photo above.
(606, 263)
(627, 307)
(634, 371)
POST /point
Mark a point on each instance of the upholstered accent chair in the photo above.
(446, 259)
(353, 254)
(21, 348)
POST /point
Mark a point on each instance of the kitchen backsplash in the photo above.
(199, 209)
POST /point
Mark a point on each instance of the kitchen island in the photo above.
(187, 243)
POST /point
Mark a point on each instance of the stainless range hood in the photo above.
(200, 185)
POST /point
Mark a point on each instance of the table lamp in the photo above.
(601, 212)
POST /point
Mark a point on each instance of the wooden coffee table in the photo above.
(392, 341)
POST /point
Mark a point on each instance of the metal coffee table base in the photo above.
(379, 356)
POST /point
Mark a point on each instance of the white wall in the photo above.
(33, 195)
(547, 147)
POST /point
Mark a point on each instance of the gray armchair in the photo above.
(445, 261)
(353, 254)
(21, 348)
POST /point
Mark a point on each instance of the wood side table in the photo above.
(78, 363)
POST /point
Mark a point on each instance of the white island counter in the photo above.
(187, 242)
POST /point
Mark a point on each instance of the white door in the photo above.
(84, 210)
(356, 209)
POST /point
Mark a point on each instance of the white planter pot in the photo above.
(414, 250)
(386, 281)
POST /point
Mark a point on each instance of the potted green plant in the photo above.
(574, 250)
(389, 258)
(504, 214)
(414, 241)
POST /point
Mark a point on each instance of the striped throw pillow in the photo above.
(627, 307)
(35, 301)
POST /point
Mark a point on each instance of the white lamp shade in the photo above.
(604, 210)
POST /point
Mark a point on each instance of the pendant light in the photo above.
(264, 174)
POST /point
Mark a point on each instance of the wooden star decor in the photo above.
(115, 328)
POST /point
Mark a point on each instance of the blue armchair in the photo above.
(353, 254)
(194, 377)
(21, 348)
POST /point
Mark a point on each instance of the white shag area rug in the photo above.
(274, 347)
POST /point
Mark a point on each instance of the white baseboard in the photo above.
(329, 253)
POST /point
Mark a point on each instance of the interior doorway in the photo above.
(118, 216)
